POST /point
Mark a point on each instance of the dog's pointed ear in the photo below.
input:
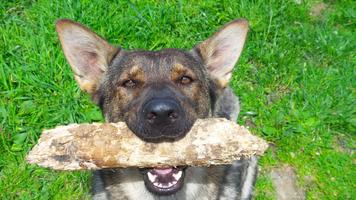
(87, 53)
(222, 50)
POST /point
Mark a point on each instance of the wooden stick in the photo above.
(213, 141)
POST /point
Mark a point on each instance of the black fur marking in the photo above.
(212, 94)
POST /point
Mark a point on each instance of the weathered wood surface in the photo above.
(211, 141)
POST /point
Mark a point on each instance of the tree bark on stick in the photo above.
(212, 141)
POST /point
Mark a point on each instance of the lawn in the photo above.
(296, 79)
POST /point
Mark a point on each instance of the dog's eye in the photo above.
(129, 83)
(185, 80)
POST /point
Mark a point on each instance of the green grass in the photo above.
(296, 79)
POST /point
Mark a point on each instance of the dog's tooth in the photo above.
(170, 184)
(151, 177)
(178, 175)
(156, 184)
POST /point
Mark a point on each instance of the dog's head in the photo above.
(159, 94)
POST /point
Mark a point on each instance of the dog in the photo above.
(160, 94)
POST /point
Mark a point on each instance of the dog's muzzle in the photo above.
(161, 112)
(162, 119)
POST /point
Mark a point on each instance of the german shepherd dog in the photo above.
(160, 94)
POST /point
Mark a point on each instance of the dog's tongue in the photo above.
(165, 180)
(162, 171)
(168, 175)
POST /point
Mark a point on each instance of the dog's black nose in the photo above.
(161, 112)
(161, 119)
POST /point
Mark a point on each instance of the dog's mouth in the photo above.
(164, 181)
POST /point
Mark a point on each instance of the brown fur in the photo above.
(153, 69)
